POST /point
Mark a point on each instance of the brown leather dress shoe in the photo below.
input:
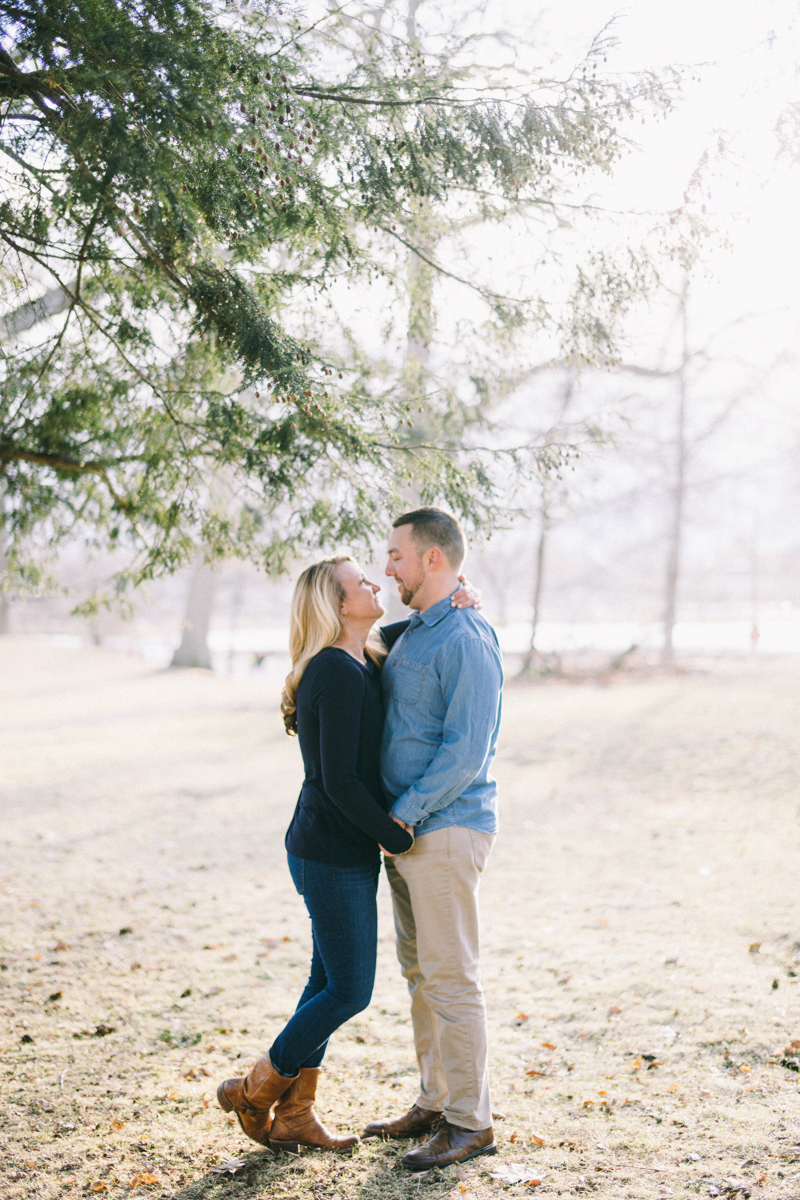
(412, 1124)
(450, 1144)
(253, 1098)
(296, 1124)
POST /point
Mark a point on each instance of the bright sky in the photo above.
(748, 57)
(741, 62)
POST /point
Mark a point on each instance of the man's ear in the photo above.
(434, 556)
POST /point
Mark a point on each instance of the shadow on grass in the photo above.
(371, 1172)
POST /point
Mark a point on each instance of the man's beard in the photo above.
(408, 594)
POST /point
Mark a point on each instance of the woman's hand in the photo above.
(467, 596)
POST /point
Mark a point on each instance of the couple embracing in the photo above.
(397, 729)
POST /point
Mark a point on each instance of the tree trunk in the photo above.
(423, 231)
(193, 650)
(5, 606)
(755, 632)
(674, 545)
(538, 579)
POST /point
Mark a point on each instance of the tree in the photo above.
(174, 181)
(672, 436)
(193, 648)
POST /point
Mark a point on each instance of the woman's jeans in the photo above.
(341, 902)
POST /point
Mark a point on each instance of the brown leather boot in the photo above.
(413, 1123)
(450, 1144)
(296, 1123)
(253, 1098)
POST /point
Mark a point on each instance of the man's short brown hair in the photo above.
(433, 527)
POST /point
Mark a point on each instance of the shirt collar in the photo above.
(434, 614)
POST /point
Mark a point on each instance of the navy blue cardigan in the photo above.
(342, 814)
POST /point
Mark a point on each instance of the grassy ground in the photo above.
(642, 939)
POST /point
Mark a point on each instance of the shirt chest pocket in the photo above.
(409, 676)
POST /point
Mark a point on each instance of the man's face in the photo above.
(405, 563)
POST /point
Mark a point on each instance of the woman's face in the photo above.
(360, 596)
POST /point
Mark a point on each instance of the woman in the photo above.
(332, 700)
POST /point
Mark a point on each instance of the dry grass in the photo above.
(650, 839)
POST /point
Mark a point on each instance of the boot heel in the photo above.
(225, 1104)
(289, 1147)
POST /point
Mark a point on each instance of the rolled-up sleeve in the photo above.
(471, 678)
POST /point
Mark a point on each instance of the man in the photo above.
(442, 682)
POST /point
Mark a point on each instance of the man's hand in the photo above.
(467, 596)
(408, 829)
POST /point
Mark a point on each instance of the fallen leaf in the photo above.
(117, 1124)
(51, 999)
(523, 1017)
(103, 1030)
(735, 1185)
(26, 1039)
(143, 1180)
(754, 947)
(61, 946)
(614, 1009)
(517, 1173)
(186, 993)
(229, 957)
(538, 1139)
(548, 1045)
(513, 1137)
(533, 1071)
(98, 1187)
(125, 929)
(230, 1167)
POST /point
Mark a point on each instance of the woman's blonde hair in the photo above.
(317, 622)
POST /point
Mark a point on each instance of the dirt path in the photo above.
(641, 925)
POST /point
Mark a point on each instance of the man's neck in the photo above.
(433, 590)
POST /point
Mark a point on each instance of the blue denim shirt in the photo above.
(442, 686)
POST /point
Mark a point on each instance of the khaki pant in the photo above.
(435, 896)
